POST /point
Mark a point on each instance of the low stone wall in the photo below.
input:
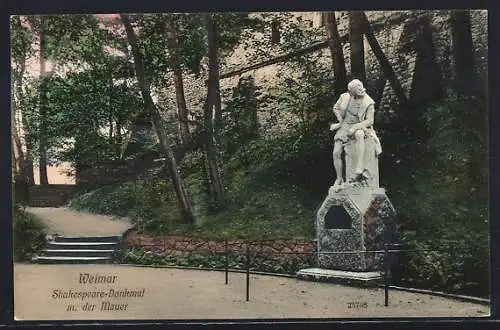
(96, 177)
(282, 250)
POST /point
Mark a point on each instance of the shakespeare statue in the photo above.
(356, 137)
(356, 215)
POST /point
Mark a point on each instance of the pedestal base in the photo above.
(363, 279)
(352, 226)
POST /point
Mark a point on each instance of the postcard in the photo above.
(261, 165)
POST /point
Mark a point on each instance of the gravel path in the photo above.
(193, 294)
(64, 221)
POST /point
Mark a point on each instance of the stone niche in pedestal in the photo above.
(351, 220)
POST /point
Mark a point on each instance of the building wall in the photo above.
(396, 32)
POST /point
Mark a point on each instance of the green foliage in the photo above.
(78, 98)
(289, 159)
(73, 38)
(191, 41)
(240, 123)
(28, 234)
(232, 28)
(151, 42)
(258, 262)
(297, 33)
(258, 210)
(20, 38)
(443, 203)
(309, 96)
(79, 105)
(444, 263)
(434, 163)
(150, 204)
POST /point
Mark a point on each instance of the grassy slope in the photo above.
(260, 207)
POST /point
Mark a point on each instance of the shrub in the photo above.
(28, 234)
(443, 201)
(149, 204)
(288, 264)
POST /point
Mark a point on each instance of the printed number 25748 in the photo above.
(357, 304)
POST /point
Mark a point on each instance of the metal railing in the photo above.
(388, 251)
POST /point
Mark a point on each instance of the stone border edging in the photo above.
(230, 270)
(476, 300)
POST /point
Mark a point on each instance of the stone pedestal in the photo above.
(360, 279)
(351, 220)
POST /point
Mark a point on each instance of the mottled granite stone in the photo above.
(373, 224)
(363, 279)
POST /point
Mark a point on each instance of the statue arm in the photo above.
(369, 119)
(338, 113)
(340, 107)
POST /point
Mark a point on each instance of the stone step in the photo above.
(45, 203)
(47, 198)
(53, 195)
(82, 245)
(54, 187)
(79, 249)
(48, 192)
(71, 260)
(77, 253)
(86, 239)
(39, 194)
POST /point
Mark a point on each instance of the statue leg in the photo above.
(360, 152)
(337, 162)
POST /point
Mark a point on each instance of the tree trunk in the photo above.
(111, 112)
(218, 109)
(173, 50)
(26, 163)
(170, 163)
(384, 62)
(467, 84)
(337, 53)
(110, 120)
(463, 51)
(118, 133)
(208, 113)
(357, 45)
(17, 81)
(15, 162)
(42, 136)
(17, 151)
(28, 166)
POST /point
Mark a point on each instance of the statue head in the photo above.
(355, 88)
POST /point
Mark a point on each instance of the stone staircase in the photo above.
(79, 250)
(52, 195)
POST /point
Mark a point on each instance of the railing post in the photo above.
(248, 273)
(386, 273)
(226, 261)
